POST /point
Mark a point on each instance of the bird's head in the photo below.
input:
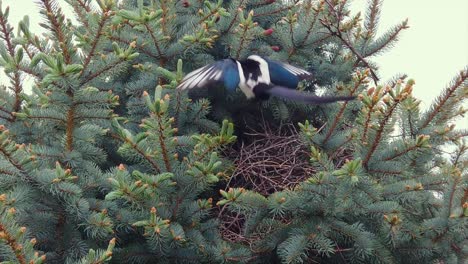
(256, 58)
(257, 62)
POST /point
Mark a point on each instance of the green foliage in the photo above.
(107, 161)
(16, 247)
(375, 207)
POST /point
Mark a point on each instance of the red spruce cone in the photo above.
(268, 32)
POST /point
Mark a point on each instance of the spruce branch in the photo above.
(140, 151)
(31, 72)
(28, 52)
(7, 172)
(162, 60)
(84, 117)
(401, 153)
(101, 256)
(138, 47)
(178, 104)
(411, 124)
(459, 154)
(6, 30)
(92, 102)
(209, 144)
(321, 159)
(339, 34)
(242, 259)
(99, 34)
(381, 127)
(204, 154)
(442, 100)
(164, 17)
(387, 40)
(385, 172)
(414, 188)
(158, 108)
(10, 152)
(33, 44)
(360, 58)
(32, 41)
(367, 124)
(43, 117)
(9, 157)
(49, 156)
(6, 35)
(70, 126)
(162, 141)
(204, 106)
(97, 73)
(395, 80)
(372, 101)
(241, 44)
(335, 122)
(309, 31)
(246, 27)
(372, 17)
(10, 240)
(60, 230)
(340, 149)
(383, 122)
(56, 18)
(336, 8)
(81, 8)
(359, 80)
(275, 11)
(210, 14)
(234, 19)
(457, 179)
(464, 199)
(291, 19)
(84, 5)
(10, 117)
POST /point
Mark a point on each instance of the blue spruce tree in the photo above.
(105, 161)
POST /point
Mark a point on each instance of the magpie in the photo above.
(257, 77)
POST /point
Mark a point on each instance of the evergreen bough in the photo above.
(106, 161)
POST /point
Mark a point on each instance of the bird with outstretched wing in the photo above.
(257, 77)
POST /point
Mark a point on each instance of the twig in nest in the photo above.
(273, 161)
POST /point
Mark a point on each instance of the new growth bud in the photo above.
(268, 32)
(275, 48)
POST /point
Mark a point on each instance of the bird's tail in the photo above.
(296, 95)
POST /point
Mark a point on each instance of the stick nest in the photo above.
(273, 160)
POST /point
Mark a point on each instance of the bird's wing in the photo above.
(223, 72)
(286, 75)
(295, 95)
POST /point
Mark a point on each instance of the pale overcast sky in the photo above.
(431, 51)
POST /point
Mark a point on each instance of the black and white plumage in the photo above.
(257, 77)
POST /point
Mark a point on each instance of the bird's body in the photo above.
(257, 77)
(252, 72)
(243, 85)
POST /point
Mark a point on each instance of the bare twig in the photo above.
(339, 35)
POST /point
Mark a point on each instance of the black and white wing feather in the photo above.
(223, 72)
(286, 75)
